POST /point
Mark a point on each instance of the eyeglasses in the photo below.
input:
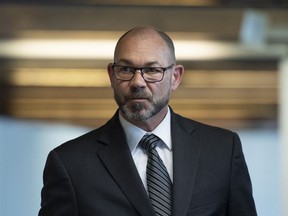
(149, 74)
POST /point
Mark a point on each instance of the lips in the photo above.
(138, 99)
(138, 96)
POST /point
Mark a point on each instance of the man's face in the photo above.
(137, 99)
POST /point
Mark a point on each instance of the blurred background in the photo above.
(54, 85)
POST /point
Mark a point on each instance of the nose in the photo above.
(138, 80)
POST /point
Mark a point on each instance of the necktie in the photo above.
(158, 180)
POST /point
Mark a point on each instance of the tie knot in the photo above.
(149, 142)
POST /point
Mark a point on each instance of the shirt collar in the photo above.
(134, 134)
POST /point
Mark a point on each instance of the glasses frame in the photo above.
(141, 70)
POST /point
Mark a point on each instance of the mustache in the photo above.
(138, 93)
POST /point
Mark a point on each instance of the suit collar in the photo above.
(118, 160)
(186, 152)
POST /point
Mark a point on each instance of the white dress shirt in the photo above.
(134, 134)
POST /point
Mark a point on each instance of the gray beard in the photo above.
(136, 112)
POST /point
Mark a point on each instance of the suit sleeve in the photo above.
(241, 200)
(58, 197)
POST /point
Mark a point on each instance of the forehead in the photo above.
(145, 45)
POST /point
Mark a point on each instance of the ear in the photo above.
(177, 76)
(110, 73)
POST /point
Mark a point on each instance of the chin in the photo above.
(136, 114)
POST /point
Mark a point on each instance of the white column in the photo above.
(283, 129)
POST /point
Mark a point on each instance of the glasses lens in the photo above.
(149, 74)
(123, 72)
(153, 74)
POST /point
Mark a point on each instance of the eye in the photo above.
(125, 69)
(153, 70)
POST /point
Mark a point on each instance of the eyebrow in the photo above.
(128, 62)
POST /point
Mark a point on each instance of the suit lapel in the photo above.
(186, 152)
(119, 162)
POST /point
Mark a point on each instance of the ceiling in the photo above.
(231, 77)
(201, 3)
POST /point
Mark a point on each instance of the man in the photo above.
(104, 171)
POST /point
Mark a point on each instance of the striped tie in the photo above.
(158, 181)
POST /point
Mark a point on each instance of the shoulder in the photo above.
(78, 145)
(93, 140)
(204, 131)
(216, 142)
(189, 124)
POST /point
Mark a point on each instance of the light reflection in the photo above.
(59, 77)
(103, 49)
(57, 48)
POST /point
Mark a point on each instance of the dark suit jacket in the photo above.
(95, 174)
